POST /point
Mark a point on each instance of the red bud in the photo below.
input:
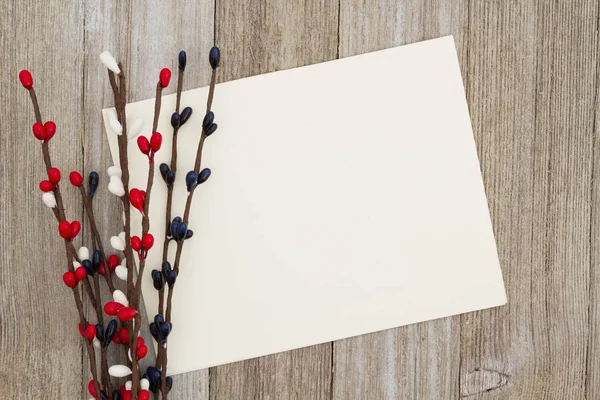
(76, 178)
(126, 314)
(46, 186)
(136, 243)
(123, 335)
(50, 129)
(113, 261)
(91, 388)
(155, 141)
(64, 230)
(75, 228)
(90, 331)
(112, 308)
(144, 394)
(136, 198)
(80, 273)
(26, 79)
(39, 131)
(165, 77)
(141, 352)
(143, 144)
(148, 241)
(69, 279)
(54, 175)
(127, 395)
(140, 341)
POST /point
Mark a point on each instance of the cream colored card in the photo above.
(345, 198)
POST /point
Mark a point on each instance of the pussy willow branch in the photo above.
(145, 229)
(186, 214)
(120, 99)
(69, 249)
(166, 241)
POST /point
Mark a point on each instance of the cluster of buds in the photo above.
(87, 265)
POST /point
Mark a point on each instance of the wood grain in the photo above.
(39, 342)
(531, 86)
(531, 76)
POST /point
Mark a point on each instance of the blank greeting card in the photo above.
(345, 198)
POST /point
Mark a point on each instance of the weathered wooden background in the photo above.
(530, 69)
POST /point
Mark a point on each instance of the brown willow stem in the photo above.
(188, 204)
(59, 213)
(120, 99)
(166, 241)
(89, 209)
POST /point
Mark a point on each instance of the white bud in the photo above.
(115, 125)
(114, 171)
(76, 265)
(83, 253)
(49, 199)
(109, 62)
(122, 237)
(121, 272)
(96, 343)
(144, 384)
(120, 297)
(117, 243)
(116, 188)
(128, 355)
(119, 371)
(134, 129)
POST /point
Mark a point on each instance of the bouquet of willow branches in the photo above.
(117, 322)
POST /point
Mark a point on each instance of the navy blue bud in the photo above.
(93, 180)
(174, 225)
(154, 332)
(175, 120)
(153, 375)
(157, 279)
(182, 60)
(190, 180)
(171, 278)
(103, 394)
(158, 318)
(164, 170)
(185, 115)
(116, 395)
(109, 334)
(164, 329)
(209, 118)
(100, 332)
(203, 176)
(169, 383)
(211, 129)
(170, 179)
(181, 230)
(189, 234)
(213, 57)
(96, 259)
(89, 267)
(166, 267)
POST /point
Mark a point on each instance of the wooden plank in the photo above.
(260, 37)
(148, 37)
(531, 86)
(39, 342)
(417, 361)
